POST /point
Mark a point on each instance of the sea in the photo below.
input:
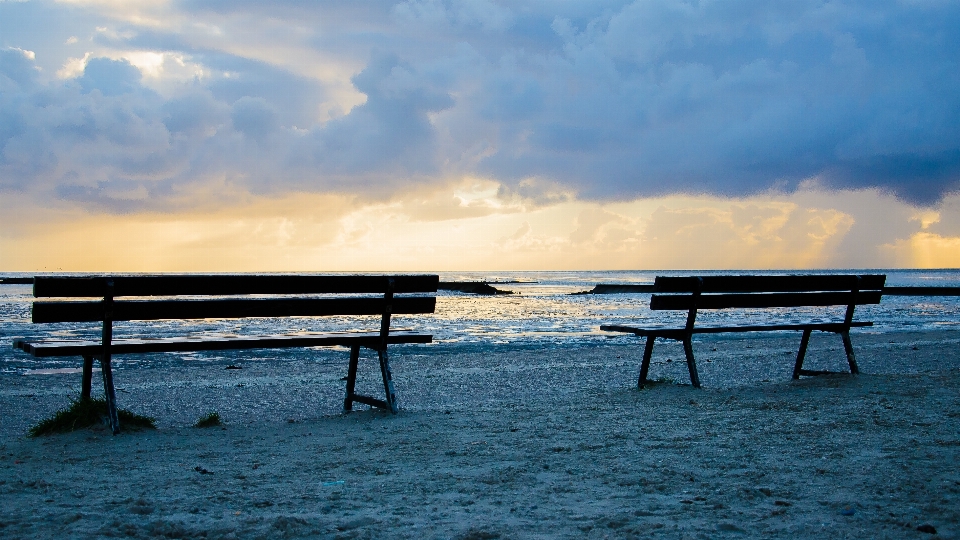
(541, 309)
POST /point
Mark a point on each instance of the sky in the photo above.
(433, 135)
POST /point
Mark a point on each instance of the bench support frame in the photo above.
(390, 403)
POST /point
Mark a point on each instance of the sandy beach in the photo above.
(506, 442)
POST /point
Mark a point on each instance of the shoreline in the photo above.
(556, 444)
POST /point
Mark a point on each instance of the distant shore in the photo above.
(507, 442)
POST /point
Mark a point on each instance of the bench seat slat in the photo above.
(678, 333)
(842, 282)
(772, 300)
(186, 285)
(55, 348)
(150, 310)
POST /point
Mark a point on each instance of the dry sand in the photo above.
(507, 442)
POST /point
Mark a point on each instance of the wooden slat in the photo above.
(679, 333)
(823, 327)
(148, 310)
(52, 348)
(769, 283)
(736, 300)
(672, 333)
(176, 285)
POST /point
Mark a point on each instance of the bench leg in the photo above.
(848, 346)
(110, 395)
(87, 378)
(804, 341)
(351, 377)
(388, 381)
(691, 363)
(645, 363)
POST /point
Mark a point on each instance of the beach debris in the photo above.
(231, 366)
(847, 511)
(782, 503)
(333, 483)
(263, 504)
(927, 528)
(201, 470)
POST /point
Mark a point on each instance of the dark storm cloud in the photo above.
(732, 98)
(391, 131)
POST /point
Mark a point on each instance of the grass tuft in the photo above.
(84, 413)
(210, 420)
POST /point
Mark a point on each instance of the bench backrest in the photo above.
(722, 292)
(279, 303)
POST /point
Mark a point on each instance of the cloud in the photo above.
(461, 15)
(430, 230)
(599, 100)
(390, 135)
(110, 77)
(254, 117)
(663, 97)
(194, 114)
(17, 69)
(771, 235)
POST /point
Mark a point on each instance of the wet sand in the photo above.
(506, 442)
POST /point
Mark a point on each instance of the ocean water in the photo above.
(540, 312)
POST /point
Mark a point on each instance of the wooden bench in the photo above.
(692, 294)
(228, 297)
